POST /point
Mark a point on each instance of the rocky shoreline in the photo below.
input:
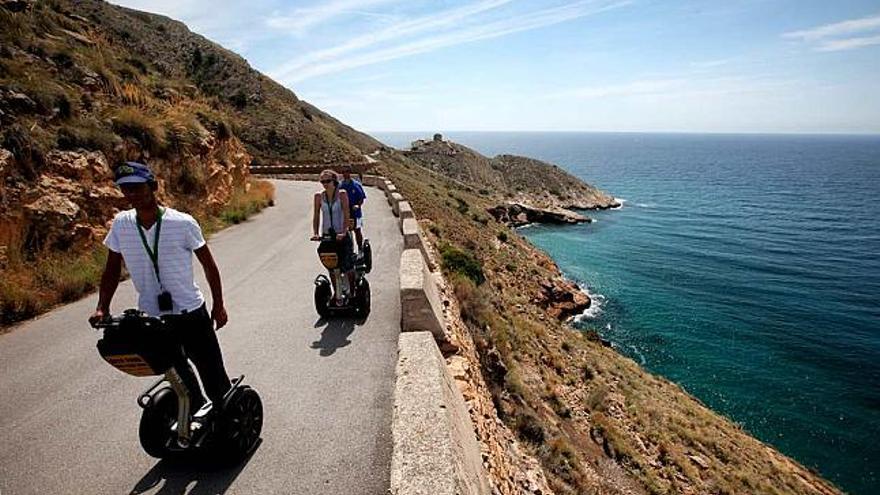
(519, 214)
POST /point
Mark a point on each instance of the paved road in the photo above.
(68, 421)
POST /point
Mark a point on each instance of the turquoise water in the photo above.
(744, 267)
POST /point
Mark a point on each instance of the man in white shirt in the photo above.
(157, 243)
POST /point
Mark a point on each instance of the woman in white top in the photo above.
(331, 208)
(331, 213)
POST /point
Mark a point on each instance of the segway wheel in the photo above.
(364, 298)
(243, 422)
(155, 431)
(368, 256)
(323, 293)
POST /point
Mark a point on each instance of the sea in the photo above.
(745, 268)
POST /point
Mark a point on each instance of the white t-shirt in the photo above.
(179, 236)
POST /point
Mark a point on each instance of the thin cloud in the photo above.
(489, 30)
(836, 29)
(396, 31)
(302, 19)
(848, 44)
(840, 35)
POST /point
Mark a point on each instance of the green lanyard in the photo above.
(153, 253)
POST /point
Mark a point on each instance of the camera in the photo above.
(165, 302)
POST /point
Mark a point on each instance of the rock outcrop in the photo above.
(70, 205)
(517, 179)
(518, 214)
(562, 299)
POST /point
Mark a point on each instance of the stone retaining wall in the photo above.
(434, 451)
(435, 446)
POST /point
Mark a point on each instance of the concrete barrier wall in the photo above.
(404, 211)
(409, 227)
(396, 199)
(435, 450)
(420, 306)
(374, 181)
(390, 189)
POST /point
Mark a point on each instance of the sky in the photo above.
(790, 66)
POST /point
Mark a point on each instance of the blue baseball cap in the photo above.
(133, 173)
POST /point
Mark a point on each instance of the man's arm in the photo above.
(109, 283)
(212, 273)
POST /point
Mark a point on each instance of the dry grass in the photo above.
(134, 123)
(29, 288)
(246, 202)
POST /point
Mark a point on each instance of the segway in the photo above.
(141, 345)
(332, 291)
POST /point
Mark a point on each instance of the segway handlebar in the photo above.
(111, 321)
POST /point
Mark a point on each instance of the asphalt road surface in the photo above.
(69, 421)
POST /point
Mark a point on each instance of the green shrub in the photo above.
(472, 300)
(530, 429)
(480, 219)
(134, 123)
(16, 303)
(190, 178)
(502, 236)
(29, 155)
(456, 261)
(87, 136)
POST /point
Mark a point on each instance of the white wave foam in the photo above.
(639, 354)
(621, 201)
(597, 302)
(646, 205)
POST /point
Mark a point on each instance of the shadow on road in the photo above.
(335, 334)
(190, 477)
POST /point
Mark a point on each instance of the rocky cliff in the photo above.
(519, 185)
(76, 97)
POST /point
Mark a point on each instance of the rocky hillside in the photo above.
(272, 122)
(511, 179)
(76, 97)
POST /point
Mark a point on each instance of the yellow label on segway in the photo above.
(133, 364)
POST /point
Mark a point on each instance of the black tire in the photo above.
(155, 431)
(242, 423)
(323, 293)
(364, 298)
(368, 256)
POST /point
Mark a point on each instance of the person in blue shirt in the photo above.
(356, 197)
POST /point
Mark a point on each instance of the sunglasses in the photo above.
(326, 181)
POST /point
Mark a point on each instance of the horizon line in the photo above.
(587, 131)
